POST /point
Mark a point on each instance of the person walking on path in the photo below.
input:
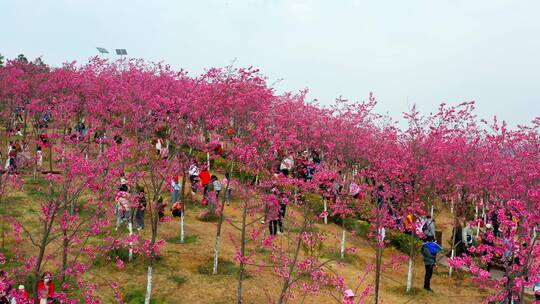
(204, 176)
(429, 252)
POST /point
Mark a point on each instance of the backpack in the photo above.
(177, 209)
(433, 247)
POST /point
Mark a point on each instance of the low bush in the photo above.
(402, 241)
(208, 216)
(188, 239)
(225, 267)
(178, 279)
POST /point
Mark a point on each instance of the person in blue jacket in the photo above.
(429, 252)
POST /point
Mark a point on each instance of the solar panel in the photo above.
(102, 50)
(121, 52)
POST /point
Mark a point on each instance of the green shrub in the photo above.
(347, 258)
(121, 253)
(178, 279)
(208, 217)
(225, 267)
(110, 257)
(135, 296)
(188, 239)
(362, 228)
(402, 241)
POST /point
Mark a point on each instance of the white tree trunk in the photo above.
(130, 228)
(451, 269)
(478, 222)
(452, 206)
(410, 274)
(148, 286)
(208, 160)
(325, 210)
(216, 256)
(182, 228)
(431, 211)
(343, 243)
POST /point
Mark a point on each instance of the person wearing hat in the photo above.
(348, 296)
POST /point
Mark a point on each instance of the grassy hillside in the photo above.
(182, 271)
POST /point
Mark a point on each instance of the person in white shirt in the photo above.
(286, 165)
(194, 176)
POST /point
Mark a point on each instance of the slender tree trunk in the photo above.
(50, 157)
(242, 252)
(3, 225)
(453, 252)
(287, 281)
(65, 246)
(325, 211)
(2, 188)
(342, 251)
(410, 270)
(220, 223)
(148, 283)
(65, 240)
(47, 224)
(184, 174)
(378, 258)
(182, 226)
(130, 229)
(378, 272)
(155, 221)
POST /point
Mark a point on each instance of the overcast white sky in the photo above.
(406, 52)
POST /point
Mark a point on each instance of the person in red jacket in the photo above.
(204, 176)
(21, 295)
(45, 288)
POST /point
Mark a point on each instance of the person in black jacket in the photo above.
(141, 207)
(429, 263)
